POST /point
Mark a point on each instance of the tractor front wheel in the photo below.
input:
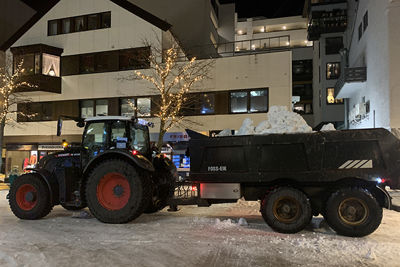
(29, 197)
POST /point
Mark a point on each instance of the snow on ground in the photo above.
(328, 127)
(190, 237)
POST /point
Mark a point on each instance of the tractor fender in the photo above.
(139, 160)
(386, 197)
(52, 184)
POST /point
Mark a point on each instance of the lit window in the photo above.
(330, 97)
(332, 71)
(102, 107)
(238, 102)
(143, 107)
(258, 100)
(249, 101)
(51, 65)
(128, 107)
(87, 108)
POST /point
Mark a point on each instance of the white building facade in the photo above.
(79, 54)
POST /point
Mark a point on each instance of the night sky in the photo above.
(267, 8)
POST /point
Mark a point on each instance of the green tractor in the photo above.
(114, 172)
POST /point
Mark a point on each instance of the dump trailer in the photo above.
(339, 174)
(118, 175)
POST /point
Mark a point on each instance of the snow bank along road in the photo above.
(190, 237)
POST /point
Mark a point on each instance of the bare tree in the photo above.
(10, 82)
(173, 79)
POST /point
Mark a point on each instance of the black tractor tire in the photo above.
(161, 194)
(286, 210)
(116, 192)
(353, 211)
(29, 197)
(73, 208)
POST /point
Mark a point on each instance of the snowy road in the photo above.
(190, 237)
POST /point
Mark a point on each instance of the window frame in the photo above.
(135, 98)
(248, 100)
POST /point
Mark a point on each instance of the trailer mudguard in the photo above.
(139, 160)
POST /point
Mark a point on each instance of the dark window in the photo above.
(53, 27)
(365, 20)
(86, 64)
(333, 45)
(106, 20)
(360, 31)
(249, 101)
(332, 70)
(93, 21)
(69, 65)
(330, 97)
(207, 103)
(28, 63)
(302, 70)
(80, 24)
(66, 26)
(101, 62)
(136, 58)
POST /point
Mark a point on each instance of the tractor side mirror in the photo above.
(59, 126)
(80, 124)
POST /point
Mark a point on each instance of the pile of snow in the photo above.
(328, 127)
(229, 223)
(279, 121)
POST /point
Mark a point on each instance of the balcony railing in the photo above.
(350, 75)
(326, 22)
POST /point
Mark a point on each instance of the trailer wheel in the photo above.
(29, 197)
(286, 210)
(116, 192)
(353, 212)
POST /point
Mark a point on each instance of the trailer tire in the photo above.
(29, 197)
(116, 192)
(353, 211)
(286, 210)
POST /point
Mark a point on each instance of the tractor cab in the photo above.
(123, 134)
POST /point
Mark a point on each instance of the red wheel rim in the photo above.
(113, 191)
(26, 197)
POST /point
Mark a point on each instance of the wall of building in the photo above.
(270, 70)
(375, 51)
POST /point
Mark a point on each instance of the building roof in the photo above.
(47, 5)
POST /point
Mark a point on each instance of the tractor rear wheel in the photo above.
(286, 210)
(29, 197)
(353, 212)
(116, 192)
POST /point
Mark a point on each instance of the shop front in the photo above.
(18, 157)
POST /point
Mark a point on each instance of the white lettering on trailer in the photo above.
(357, 164)
(217, 169)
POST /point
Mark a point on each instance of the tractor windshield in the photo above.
(140, 138)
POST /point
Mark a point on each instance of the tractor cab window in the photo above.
(119, 138)
(140, 138)
(95, 136)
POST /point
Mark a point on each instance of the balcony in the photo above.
(326, 22)
(41, 64)
(41, 83)
(351, 80)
